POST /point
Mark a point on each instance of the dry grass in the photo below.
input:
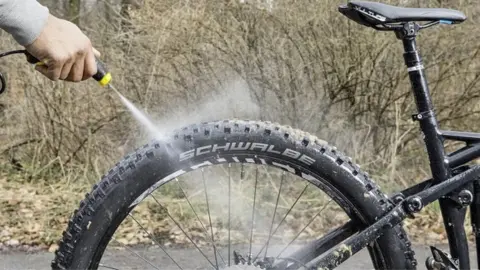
(299, 64)
(36, 213)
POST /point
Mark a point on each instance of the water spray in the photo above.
(104, 78)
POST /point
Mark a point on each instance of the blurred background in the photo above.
(298, 63)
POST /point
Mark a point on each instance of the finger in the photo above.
(96, 53)
(66, 69)
(42, 69)
(90, 68)
(54, 70)
(76, 73)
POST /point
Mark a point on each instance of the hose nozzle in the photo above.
(103, 76)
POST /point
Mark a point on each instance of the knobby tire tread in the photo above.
(394, 239)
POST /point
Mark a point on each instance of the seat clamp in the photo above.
(409, 30)
(422, 115)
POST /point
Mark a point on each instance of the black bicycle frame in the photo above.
(453, 183)
(453, 216)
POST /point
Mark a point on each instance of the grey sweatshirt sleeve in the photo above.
(23, 19)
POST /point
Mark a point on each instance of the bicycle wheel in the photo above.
(230, 168)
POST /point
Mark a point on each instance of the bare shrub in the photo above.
(300, 64)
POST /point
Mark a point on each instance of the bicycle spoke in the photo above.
(178, 225)
(210, 219)
(285, 216)
(317, 247)
(274, 214)
(196, 215)
(135, 253)
(308, 224)
(300, 249)
(229, 208)
(271, 182)
(253, 217)
(154, 240)
(109, 267)
(242, 172)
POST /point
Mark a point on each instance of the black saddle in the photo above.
(373, 13)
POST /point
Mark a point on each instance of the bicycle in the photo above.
(253, 148)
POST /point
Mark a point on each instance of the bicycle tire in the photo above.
(103, 209)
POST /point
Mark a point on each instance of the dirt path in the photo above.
(122, 259)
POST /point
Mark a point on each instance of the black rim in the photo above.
(220, 261)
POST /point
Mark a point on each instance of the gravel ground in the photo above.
(187, 258)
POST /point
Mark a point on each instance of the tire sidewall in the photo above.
(143, 169)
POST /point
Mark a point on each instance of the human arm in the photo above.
(66, 51)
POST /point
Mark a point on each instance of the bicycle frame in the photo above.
(453, 183)
(439, 162)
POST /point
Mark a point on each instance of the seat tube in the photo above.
(453, 216)
(425, 114)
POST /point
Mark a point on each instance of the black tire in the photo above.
(102, 210)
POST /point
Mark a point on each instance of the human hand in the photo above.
(66, 53)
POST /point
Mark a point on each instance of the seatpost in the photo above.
(453, 217)
(425, 115)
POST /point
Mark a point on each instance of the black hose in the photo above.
(12, 52)
(4, 84)
(2, 78)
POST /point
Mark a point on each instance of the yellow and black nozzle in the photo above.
(103, 76)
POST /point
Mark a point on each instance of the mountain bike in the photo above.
(236, 167)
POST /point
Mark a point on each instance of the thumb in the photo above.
(43, 69)
(96, 53)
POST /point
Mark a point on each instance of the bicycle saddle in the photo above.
(381, 13)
